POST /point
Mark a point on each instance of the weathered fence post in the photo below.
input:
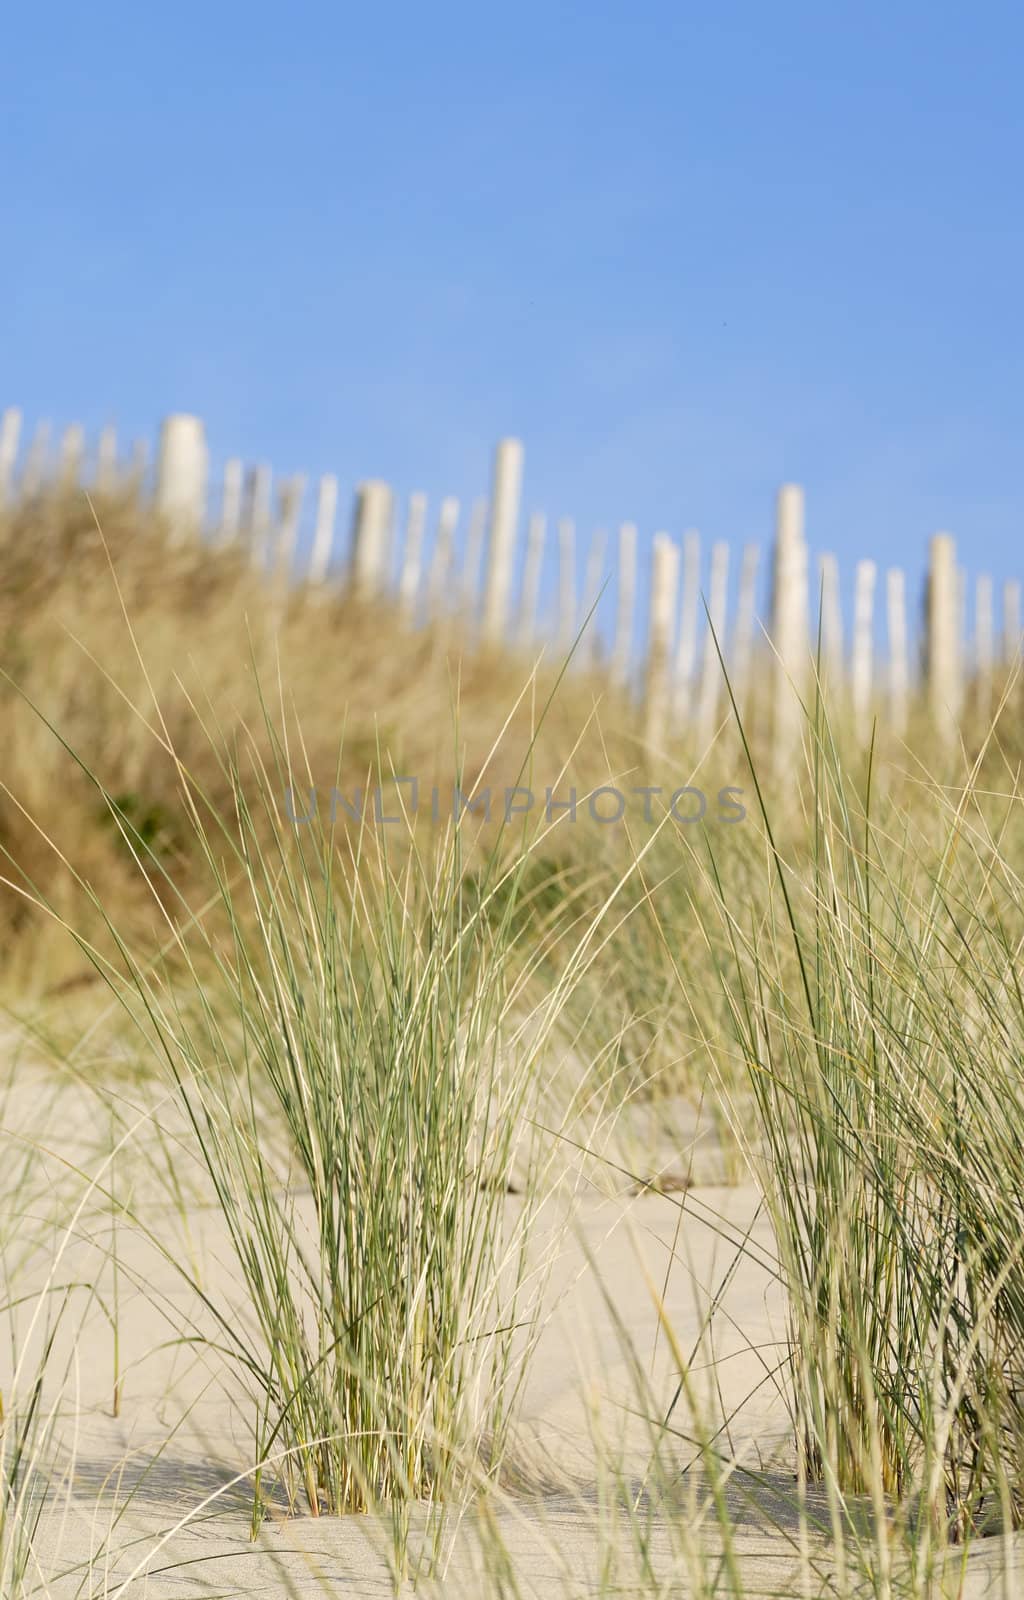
(290, 497)
(1011, 621)
(566, 633)
(106, 460)
(37, 458)
(138, 464)
(231, 501)
(943, 636)
(622, 653)
(371, 539)
(10, 433)
(663, 603)
(258, 513)
(863, 645)
(961, 629)
(984, 645)
(789, 623)
(899, 669)
(472, 562)
(323, 533)
(72, 454)
(535, 535)
(181, 473)
(593, 574)
(412, 557)
(711, 678)
(743, 630)
(686, 646)
(831, 624)
(506, 482)
(439, 583)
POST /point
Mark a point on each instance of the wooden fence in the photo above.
(668, 656)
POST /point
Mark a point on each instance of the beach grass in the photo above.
(383, 1042)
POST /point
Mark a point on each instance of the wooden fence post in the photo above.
(231, 501)
(863, 646)
(439, 583)
(899, 670)
(686, 646)
(290, 497)
(106, 460)
(412, 558)
(622, 653)
(472, 562)
(137, 466)
(258, 513)
(663, 603)
(71, 457)
(743, 630)
(323, 534)
(566, 584)
(506, 482)
(371, 539)
(181, 473)
(10, 433)
(1011, 621)
(831, 629)
(943, 636)
(535, 536)
(984, 645)
(711, 678)
(961, 628)
(37, 460)
(789, 623)
(593, 573)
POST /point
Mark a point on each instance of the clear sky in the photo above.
(684, 251)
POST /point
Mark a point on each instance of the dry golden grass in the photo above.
(121, 647)
(130, 662)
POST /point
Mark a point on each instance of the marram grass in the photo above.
(354, 1027)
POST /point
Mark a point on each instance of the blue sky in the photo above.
(685, 252)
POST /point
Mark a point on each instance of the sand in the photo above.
(156, 1501)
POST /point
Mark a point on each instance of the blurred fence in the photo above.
(665, 634)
